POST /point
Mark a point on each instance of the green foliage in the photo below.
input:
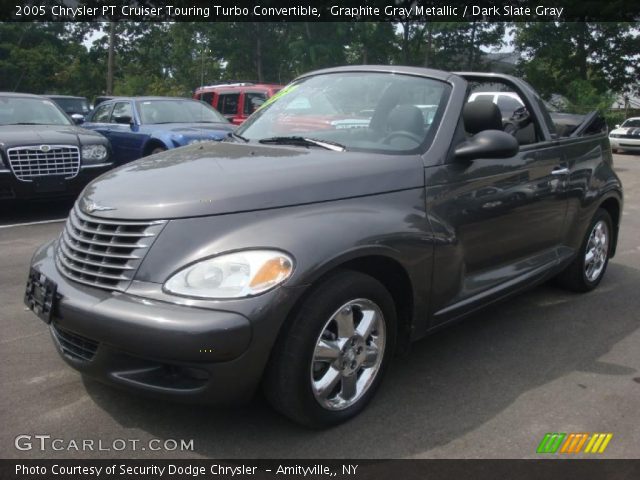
(584, 97)
(582, 61)
(554, 55)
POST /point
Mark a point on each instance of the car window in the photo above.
(73, 105)
(253, 101)
(31, 111)
(101, 114)
(156, 111)
(508, 105)
(381, 112)
(207, 97)
(120, 110)
(228, 103)
(483, 98)
(632, 122)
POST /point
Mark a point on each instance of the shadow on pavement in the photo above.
(27, 211)
(451, 383)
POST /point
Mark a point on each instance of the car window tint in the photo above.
(101, 115)
(228, 103)
(252, 101)
(121, 109)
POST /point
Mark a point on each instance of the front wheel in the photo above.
(588, 268)
(331, 357)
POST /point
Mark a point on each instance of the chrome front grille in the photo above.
(104, 253)
(27, 163)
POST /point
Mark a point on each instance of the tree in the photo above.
(606, 55)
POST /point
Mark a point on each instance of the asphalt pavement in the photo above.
(489, 387)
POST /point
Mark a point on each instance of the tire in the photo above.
(155, 150)
(583, 274)
(317, 346)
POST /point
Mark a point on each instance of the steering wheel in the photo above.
(402, 134)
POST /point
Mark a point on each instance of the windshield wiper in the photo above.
(304, 141)
(236, 135)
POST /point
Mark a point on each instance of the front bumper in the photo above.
(154, 347)
(12, 188)
(625, 143)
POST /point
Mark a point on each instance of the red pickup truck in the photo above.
(236, 101)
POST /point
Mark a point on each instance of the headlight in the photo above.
(198, 140)
(234, 275)
(94, 153)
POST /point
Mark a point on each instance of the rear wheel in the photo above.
(330, 358)
(588, 268)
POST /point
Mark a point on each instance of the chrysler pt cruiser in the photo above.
(356, 211)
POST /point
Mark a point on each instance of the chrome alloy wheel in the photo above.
(348, 354)
(597, 251)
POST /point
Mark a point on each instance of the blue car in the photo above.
(141, 126)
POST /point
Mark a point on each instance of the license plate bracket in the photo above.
(41, 295)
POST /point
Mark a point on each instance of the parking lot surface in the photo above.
(488, 387)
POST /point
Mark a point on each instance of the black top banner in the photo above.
(322, 10)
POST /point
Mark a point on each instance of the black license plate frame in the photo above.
(41, 295)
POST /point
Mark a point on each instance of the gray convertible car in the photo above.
(356, 211)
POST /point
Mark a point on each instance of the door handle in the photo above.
(560, 171)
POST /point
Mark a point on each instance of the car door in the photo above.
(100, 120)
(228, 105)
(126, 142)
(498, 225)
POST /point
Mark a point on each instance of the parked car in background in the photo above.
(43, 153)
(301, 260)
(76, 107)
(98, 100)
(626, 137)
(236, 101)
(140, 126)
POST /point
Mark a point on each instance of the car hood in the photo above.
(633, 131)
(219, 178)
(19, 135)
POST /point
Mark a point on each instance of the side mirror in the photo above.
(77, 118)
(617, 125)
(124, 119)
(488, 144)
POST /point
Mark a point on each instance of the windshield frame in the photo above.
(44, 100)
(423, 147)
(139, 105)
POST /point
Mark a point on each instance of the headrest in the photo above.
(481, 115)
(407, 118)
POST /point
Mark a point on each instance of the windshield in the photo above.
(178, 111)
(380, 112)
(30, 111)
(73, 105)
(632, 122)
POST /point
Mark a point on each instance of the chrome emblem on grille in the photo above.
(90, 207)
(45, 148)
